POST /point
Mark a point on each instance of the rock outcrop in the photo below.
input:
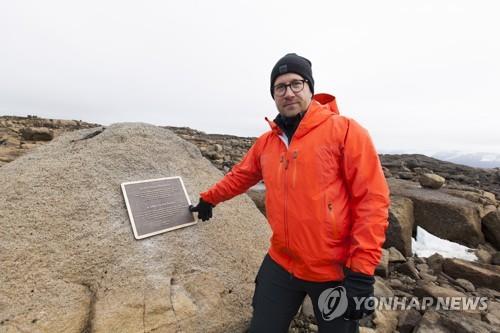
(481, 275)
(18, 135)
(442, 214)
(491, 228)
(410, 166)
(401, 223)
(68, 258)
(224, 151)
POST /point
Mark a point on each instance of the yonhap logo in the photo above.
(332, 303)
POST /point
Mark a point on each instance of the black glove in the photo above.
(203, 208)
(358, 285)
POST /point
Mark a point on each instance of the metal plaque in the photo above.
(157, 205)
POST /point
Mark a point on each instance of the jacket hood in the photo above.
(322, 107)
(328, 101)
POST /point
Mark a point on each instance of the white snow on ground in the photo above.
(427, 244)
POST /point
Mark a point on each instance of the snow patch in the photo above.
(427, 244)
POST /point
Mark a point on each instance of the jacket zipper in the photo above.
(286, 161)
(287, 237)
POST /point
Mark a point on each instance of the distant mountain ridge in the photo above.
(472, 159)
(478, 160)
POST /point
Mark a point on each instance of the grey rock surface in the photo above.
(481, 275)
(491, 227)
(401, 224)
(68, 258)
(442, 214)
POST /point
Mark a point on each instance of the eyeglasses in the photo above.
(296, 86)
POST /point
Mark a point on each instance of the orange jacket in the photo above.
(326, 196)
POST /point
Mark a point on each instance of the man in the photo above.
(326, 202)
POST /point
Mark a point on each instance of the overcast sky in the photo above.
(421, 76)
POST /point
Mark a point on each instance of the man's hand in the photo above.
(358, 285)
(204, 210)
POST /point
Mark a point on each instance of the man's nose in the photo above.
(289, 92)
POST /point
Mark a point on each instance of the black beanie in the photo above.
(293, 63)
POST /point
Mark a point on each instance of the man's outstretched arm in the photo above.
(242, 176)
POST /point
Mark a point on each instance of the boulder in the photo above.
(423, 267)
(395, 255)
(408, 269)
(400, 227)
(484, 256)
(486, 292)
(382, 268)
(481, 275)
(385, 321)
(467, 285)
(491, 228)
(431, 290)
(435, 262)
(406, 175)
(258, 195)
(485, 210)
(489, 196)
(387, 172)
(68, 258)
(482, 197)
(430, 180)
(427, 277)
(493, 315)
(37, 134)
(381, 289)
(307, 307)
(408, 320)
(495, 258)
(458, 321)
(452, 322)
(443, 215)
(430, 323)
(396, 283)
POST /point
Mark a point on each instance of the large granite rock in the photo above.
(442, 214)
(68, 258)
(431, 290)
(491, 227)
(481, 275)
(400, 227)
(258, 194)
(408, 320)
(382, 268)
(37, 133)
(431, 180)
(452, 322)
(18, 135)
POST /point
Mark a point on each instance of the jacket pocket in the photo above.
(332, 225)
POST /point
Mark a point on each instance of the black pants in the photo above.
(278, 296)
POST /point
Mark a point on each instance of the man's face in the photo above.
(292, 103)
